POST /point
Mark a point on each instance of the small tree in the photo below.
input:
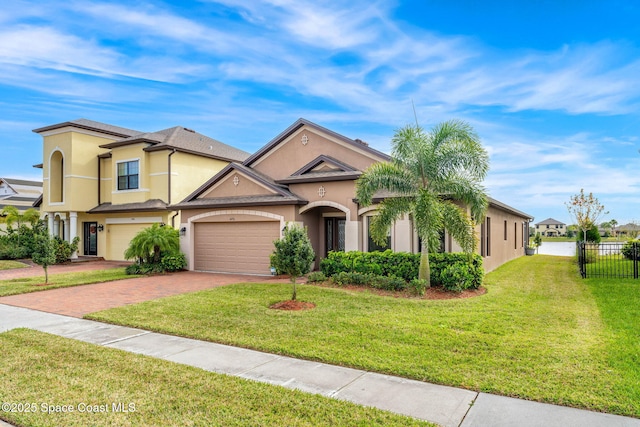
(586, 209)
(293, 255)
(537, 241)
(44, 253)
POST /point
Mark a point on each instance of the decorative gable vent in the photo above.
(305, 139)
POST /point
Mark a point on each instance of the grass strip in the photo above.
(537, 334)
(63, 280)
(10, 265)
(108, 387)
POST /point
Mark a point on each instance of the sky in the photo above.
(551, 87)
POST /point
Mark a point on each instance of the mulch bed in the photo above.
(433, 293)
(291, 305)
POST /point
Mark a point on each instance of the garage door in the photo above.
(118, 238)
(235, 247)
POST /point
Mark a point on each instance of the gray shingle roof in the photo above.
(185, 140)
(91, 125)
(149, 205)
(220, 202)
(550, 221)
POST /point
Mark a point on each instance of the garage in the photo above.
(118, 238)
(235, 247)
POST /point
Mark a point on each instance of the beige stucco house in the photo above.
(307, 175)
(105, 183)
(551, 228)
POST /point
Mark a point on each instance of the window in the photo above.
(128, 175)
(372, 245)
(505, 229)
(515, 235)
(485, 237)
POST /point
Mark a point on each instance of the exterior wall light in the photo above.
(100, 227)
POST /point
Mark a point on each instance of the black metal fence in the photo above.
(610, 260)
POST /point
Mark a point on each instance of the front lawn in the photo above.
(540, 333)
(44, 375)
(62, 280)
(10, 265)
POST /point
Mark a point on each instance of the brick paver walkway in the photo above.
(80, 300)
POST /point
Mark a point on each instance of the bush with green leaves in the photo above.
(404, 265)
(316, 277)
(64, 249)
(631, 250)
(173, 262)
(418, 286)
(293, 254)
(20, 242)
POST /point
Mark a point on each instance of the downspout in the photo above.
(99, 178)
(169, 176)
(173, 219)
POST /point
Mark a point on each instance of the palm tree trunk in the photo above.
(424, 272)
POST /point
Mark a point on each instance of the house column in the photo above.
(65, 229)
(351, 235)
(73, 230)
(402, 235)
(56, 227)
(50, 223)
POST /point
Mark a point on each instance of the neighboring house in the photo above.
(307, 175)
(630, 230)
(105, 183)
(19, 193)
(551, 228)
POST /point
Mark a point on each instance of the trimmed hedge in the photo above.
(450, 270)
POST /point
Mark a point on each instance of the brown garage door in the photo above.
(235, 247)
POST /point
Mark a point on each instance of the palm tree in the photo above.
(149, 244)
(11, 214)
(428, 173)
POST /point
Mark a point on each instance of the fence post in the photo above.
(581, 259)
(636, 259)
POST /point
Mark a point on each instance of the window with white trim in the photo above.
(128, 175)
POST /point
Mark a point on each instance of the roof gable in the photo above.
(300, 123)
(550, 221)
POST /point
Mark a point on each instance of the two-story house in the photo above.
(551, 228)
(19, 193)
(104, 183)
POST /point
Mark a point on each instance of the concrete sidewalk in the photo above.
(446, 406)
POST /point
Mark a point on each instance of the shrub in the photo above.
(64, 249)
(457, 277)
(401, 264)
(173, 262)
(352, 278)
(388, 283)
(316, 277)
(631, 250)
(418, 286)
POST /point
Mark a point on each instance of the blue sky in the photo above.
(551, 87)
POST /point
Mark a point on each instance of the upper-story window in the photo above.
(128, 175)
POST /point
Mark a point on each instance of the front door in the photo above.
(90, 238)
(334, 234)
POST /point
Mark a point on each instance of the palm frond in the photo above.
(459, 225)
(389, 211)
(387, 176)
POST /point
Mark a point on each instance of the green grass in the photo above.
(63, 280)
(43, 369)
(10, 265)
(539, 333)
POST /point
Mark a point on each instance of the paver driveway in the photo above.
(80, 300)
